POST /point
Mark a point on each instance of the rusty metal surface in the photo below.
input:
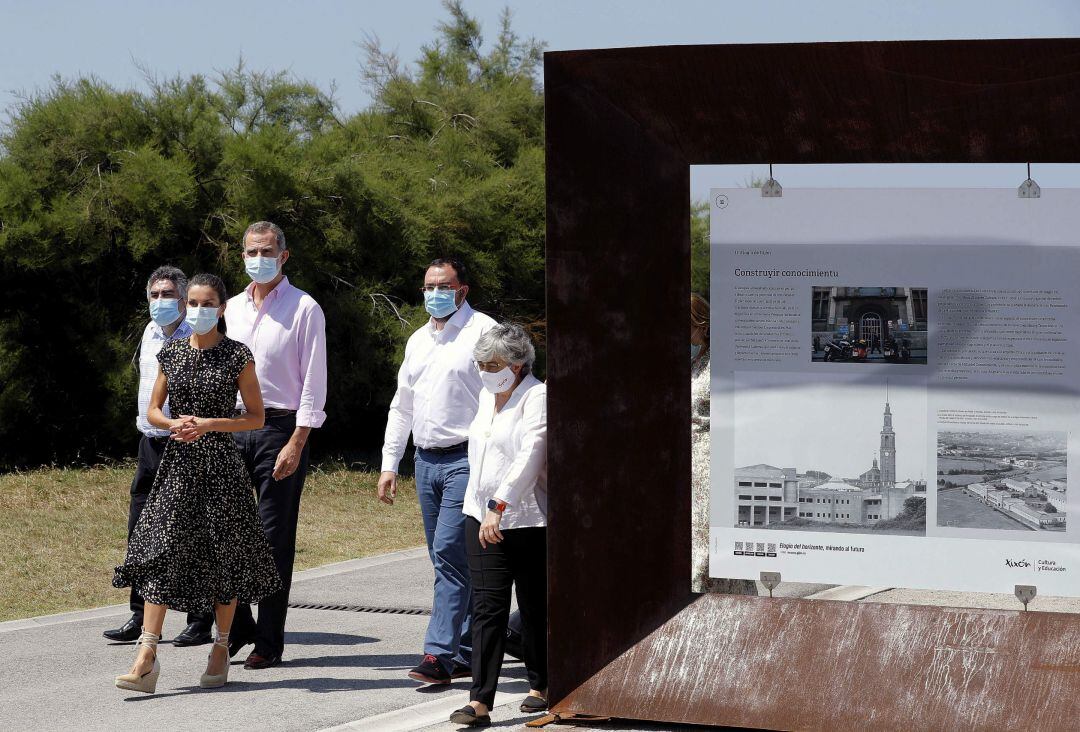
(623, 127)
(905, 101)
(792, 664)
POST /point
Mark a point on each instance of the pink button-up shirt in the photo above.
(287, 336)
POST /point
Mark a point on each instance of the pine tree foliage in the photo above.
(99, 186)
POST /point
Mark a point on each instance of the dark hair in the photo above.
(261, 227)
(205, 279)
(457, 264)
(171, 274)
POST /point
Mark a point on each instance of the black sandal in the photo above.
(468, 716)
(533, 704)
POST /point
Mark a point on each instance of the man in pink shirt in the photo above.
(286, 331)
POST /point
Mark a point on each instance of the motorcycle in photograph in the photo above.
(898, 350)
(860, 351)
(838, 350)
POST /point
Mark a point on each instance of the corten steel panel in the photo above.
(797, 664)
(623, 127)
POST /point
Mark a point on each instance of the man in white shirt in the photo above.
(166, 293)
(437, 396)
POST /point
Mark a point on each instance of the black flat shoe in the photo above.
(468, 716)
(238, 641)
(533, 704)
(193, 635)
(126, 633)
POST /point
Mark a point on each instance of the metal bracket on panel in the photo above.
(1029, 188)
(770, 580)
(772, 187)
(1025, 593)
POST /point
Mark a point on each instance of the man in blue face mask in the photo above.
(166, 294)
(436, 400)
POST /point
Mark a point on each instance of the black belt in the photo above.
(460, 447)
(275, 412)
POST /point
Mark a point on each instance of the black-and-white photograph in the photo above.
(868, 324)
(838, 455)
(1007, 480)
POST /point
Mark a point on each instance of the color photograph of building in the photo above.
(869, 324)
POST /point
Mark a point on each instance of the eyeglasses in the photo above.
(490, 366)
(438, 288)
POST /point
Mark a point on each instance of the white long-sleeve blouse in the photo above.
(508, 456)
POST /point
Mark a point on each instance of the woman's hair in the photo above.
(508, 341)
(699, 312)
(205, 279)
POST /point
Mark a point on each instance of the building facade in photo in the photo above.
(870, 313)
(1037, 505)
(767, 495)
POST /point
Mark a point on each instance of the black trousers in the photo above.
(279, 509)
(150, 450)
(519, 559)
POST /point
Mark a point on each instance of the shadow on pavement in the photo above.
(389, 662)
(317, 685)
(327, 639)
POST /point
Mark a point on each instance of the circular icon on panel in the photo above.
(721, 201)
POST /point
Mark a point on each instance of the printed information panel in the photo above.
(895, 390)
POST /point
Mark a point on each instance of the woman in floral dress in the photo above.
(199, 544)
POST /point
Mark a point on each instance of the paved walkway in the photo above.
(340, 666)
(343, 670)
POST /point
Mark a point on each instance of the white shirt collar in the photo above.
(457, 321)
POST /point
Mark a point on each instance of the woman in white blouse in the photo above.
(505, 518)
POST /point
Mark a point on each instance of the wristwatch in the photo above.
(494, 505)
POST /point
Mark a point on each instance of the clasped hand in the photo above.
(188, 428)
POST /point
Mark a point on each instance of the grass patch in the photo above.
(64, 529)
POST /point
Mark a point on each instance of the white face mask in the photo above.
(499, 381)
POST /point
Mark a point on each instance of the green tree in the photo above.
(98, 186)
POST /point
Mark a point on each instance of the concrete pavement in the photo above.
(339, 666)
(344, 670)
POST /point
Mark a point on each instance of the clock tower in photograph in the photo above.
(888, 446)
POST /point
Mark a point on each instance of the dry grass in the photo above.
(62, 530)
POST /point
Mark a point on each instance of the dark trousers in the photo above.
(279, 509)
(150, 450)
(519, 559)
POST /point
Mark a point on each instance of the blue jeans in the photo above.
(440, 487)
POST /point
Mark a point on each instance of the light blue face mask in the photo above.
(262, 269)
(440, 303)
(695, 350)
(164, 311)
(201, 320)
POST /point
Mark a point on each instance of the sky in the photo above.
(316, 40)
(832, 425)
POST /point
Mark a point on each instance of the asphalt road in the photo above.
(343, 670)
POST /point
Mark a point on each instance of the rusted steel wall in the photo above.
(623, 127)
(795, 664)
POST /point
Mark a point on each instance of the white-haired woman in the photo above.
(505, 518)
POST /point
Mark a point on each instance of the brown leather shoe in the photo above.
(256, 661)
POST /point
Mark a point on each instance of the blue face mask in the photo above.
(164, 311)
(201, 320)
(695, 350)
(440, 303)
(262, 269)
